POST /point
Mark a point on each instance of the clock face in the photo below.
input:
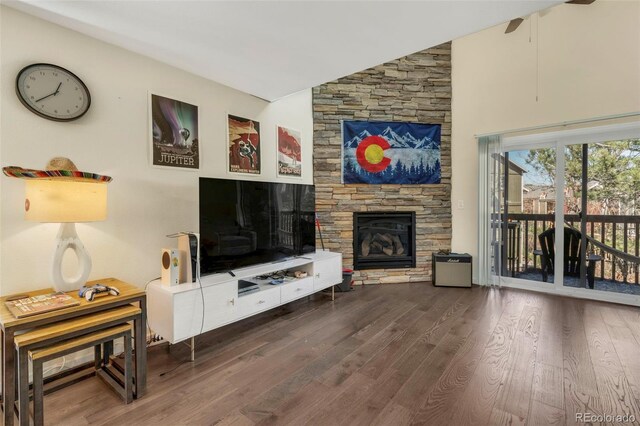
(52, 92)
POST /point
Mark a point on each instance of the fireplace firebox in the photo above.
(384, 240)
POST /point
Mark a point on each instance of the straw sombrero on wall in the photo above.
(58, 168)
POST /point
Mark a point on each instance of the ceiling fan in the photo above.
(515, 23)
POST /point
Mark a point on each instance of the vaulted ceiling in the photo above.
(271, 49)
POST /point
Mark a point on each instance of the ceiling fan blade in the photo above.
(580, 1)
(513, 25)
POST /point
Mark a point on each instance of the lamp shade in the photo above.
(63, 201)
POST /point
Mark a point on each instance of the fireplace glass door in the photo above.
(384, 240)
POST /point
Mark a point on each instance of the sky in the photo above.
(531, 176)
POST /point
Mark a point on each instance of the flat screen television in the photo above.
(244, 223)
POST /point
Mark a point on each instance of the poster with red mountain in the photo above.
(244, 145)
(289, 152)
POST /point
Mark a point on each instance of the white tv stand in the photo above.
(176, 313)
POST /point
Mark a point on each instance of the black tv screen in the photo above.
(244, 223)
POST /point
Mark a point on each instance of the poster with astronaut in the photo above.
(244, 145)
(174, 133)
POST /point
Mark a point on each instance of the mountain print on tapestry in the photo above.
(384, 152)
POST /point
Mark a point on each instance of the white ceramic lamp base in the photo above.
(67, 239)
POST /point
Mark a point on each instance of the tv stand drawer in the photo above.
(296, 289)
(257, 302)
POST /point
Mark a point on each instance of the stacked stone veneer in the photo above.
(416, 88)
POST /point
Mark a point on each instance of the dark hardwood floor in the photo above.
(390, 355)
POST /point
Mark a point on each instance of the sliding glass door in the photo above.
(569, 213)
(602, 198)
(530, 201)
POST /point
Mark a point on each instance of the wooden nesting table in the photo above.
(9, 325)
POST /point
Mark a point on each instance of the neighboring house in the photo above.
(515, 184)
(516, 188)
(539, 199)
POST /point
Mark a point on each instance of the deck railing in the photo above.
(619, 232)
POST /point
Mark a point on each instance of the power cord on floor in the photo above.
(149, 331)
(174, 368)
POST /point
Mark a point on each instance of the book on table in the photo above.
(40, 304)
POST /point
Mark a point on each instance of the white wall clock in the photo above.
(52, 92)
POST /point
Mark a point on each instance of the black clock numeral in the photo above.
(76, 88)
(55, 110)
(31, 97)
(76, 106)
(68, 111)
(80, 98)
(28, 87)
(41, 73)
(32, 78)
(55, 74)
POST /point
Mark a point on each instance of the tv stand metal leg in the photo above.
(192, 346)
(333, 293)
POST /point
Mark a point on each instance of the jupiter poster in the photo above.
(174, 133)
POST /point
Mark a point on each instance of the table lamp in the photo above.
(62, 194)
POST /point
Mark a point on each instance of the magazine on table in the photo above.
(40, 304)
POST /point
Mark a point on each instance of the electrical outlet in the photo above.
(461, 204)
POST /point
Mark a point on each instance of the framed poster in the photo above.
(383, 152)
(174, 133)
(289, 152)
(243, 137)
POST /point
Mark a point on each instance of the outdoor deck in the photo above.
(612, 273)
(599, 284)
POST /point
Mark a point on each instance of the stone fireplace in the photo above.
(415, 88)
(384, 240)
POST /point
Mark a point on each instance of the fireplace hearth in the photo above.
(384, 240)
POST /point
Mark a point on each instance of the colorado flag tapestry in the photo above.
(387, 152)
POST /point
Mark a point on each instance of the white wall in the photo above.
(588, 65)
(145, 203)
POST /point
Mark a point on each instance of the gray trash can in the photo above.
(347, 277)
